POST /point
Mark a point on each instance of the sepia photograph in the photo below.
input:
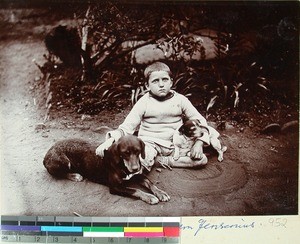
(149, 108)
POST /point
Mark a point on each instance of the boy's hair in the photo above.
(157, 66)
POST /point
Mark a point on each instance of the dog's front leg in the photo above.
(221, 152)
(74, 177)
(133, 192)
(162, 196)
(216, 144)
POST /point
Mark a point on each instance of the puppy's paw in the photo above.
(176, 157)
(220, 158)
(74, 177)
(176, 153)
(150, 199)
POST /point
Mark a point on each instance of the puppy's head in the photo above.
(192, 129)
(130, 148)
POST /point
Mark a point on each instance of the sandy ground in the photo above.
(259, 175)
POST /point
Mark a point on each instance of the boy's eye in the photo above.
(157, 80)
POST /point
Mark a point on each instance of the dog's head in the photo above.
(192, 129)
(128, 149)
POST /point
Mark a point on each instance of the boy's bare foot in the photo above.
(165, 161)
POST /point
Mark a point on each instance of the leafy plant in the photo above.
(109, 30)
(240, 76)
(237, 84)
(181, 47)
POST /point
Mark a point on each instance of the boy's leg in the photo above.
(182, 162)
(166, 158)
(150, 154)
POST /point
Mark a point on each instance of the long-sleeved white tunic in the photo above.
(156, 121)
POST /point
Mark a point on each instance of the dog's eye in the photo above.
(126, 153)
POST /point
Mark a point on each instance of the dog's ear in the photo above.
(143, 154)
(196, 122)
(181, 130)
(114, 152)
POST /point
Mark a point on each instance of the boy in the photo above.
(157, 115)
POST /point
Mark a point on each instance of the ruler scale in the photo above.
(50, 229)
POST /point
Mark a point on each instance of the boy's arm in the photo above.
(104, 146)
(191, 112)
(197, 150)
(130, 124)
(134, 118)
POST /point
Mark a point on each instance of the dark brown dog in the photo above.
(75, 159)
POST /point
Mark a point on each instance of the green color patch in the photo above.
(103, 229)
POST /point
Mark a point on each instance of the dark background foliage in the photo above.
(255, 67)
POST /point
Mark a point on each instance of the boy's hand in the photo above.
(197, 150)
(104, 146)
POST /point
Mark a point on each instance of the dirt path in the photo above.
(18, 118)
(258, 176)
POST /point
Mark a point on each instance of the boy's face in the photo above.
(159, 83)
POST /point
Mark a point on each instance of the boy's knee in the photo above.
(147, 163)
(184, 162)
(150, 154)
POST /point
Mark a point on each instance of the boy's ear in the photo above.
(147, 85)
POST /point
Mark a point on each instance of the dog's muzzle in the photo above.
(128, 177)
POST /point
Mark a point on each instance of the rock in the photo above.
(86, 117)
(290, 126)
(229, 126)
(271, 128)
(102, 129)
(65, 43)
(40, 126)
(83, 127)
(212, 124)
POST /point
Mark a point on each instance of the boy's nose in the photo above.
(161, 83)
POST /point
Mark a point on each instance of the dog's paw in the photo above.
(150, 199)
(75, 177)
(162, 196)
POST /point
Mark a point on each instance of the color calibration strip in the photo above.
(49, 229)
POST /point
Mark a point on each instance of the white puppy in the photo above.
(186, 135)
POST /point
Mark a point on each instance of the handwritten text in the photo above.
(205, 225)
